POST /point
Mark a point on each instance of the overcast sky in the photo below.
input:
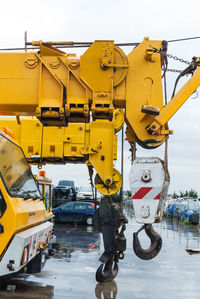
(122, 21)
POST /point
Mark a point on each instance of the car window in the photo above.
(68, 206)
(90, 207)
(80, 206)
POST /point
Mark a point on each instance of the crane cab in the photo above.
(45, 187)
(25, 231)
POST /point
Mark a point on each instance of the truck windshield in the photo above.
(66, 183)
(16, 172)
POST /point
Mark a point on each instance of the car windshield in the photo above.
(16, 172)
(66, 183)
(85, 189)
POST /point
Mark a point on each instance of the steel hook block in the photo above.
(155, 246)
(107, 272)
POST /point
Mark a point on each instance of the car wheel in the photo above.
(89, 220)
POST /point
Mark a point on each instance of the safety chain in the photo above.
(176, 58)
(173, 57)
(165, 164)
(170, 56)
(174, 70)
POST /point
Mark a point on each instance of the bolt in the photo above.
(146, 176)
(108, 181)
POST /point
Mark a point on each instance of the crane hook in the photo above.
(108, 272)
(155, 246)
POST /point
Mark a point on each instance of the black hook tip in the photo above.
(155, 246)
(106, 273)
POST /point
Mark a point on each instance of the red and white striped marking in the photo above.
(147, 193)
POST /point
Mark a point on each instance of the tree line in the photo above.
(188, 193)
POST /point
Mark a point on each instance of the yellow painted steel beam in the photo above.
(144, 87)
(60, 88)
(95, 143)
(175, 103)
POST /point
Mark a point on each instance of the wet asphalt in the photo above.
(71, 272)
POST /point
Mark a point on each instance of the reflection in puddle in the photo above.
(75, 238)
(16, 288)
(106, 290)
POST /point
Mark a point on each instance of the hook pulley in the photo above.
(108, 219)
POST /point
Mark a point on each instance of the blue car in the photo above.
(75, 212)
(170, 210)
(174, 210)
(188, 210)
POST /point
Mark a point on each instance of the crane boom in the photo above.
(62, 90)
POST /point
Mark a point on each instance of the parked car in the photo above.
(85, 193)
(173, 209)
(75, 212)
(195, 217)
(66, 183)
(168, 203)
(178, 207)
(188, 209)
(170, 210)
(64, 192)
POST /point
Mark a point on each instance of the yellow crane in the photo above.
(78, 105)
